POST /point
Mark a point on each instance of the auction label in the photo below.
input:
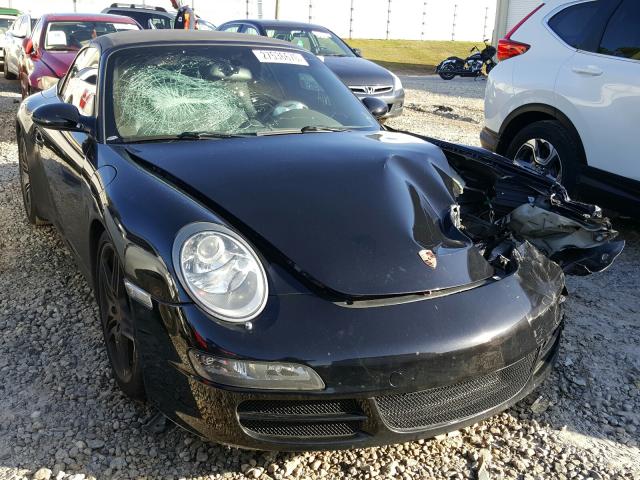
(278, 56)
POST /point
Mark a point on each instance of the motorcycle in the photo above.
(469, 67)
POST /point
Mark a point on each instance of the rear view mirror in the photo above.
(62, 116)
(376, 107)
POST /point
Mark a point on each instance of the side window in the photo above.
(249, 30)
(622, 36)
(159, 22)
(19, 27)
(231, 28)
(570, 24)
(35, 35)
(80, 87)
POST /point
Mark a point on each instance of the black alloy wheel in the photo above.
(117, 320)
(25, 184)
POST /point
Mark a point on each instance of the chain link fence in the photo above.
(382, 19)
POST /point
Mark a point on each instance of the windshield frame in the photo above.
(109, 130)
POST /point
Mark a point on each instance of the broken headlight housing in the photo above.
(221, 272)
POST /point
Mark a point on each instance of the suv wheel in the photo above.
(550, 148)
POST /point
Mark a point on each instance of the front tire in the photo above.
(550, 148)
(26, 186)
(117, 320)
(7, 74)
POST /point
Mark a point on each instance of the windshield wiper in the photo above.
(307, 129)
(198, 135)
(319, 128)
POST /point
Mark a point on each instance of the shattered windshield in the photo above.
(226, 90)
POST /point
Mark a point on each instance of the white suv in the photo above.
(565, 98)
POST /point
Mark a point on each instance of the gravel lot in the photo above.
(61, 415)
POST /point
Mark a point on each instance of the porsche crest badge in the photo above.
(429, 258)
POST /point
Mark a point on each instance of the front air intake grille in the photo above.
(452, 403)
(302, 419)
(289, 407)
(371, 89)
(292, 429)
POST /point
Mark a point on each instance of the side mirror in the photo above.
(27, 45)
(357, 51)
(62, 116)
(376, 107)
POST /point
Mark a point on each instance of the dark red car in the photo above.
(56, 39)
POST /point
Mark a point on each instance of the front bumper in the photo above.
(393, 374)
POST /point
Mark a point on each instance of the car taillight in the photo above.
(508, 48)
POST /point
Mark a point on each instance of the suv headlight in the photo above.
(397, 84)
(221, 271)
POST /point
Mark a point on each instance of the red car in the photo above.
(55, 41)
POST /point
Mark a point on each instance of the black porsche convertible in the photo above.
(274, 269)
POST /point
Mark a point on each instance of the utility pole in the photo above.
(277, 9)
(453, 28)
(424, 19)
(388, 18)
(486, 19)
(247, 8)
(259, 8)
(351, 21)
(310, 14)
(75, 9)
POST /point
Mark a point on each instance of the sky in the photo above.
(399, 19)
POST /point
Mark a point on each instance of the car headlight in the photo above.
(45, 82)
(220, 271)
(397, 84)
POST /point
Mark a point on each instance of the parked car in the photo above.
(56, 40)
(296, 276)
(7, 17)
(155, 18)
(565, 98)
(363, 77)
(13, 38)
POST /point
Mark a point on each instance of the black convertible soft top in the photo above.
(141, 37)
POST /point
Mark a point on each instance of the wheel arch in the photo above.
(531, 113)
(96, 229)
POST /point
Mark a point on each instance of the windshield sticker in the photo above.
(276, 56)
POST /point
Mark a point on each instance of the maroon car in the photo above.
(54, 42)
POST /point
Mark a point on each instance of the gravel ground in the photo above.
(61, 415)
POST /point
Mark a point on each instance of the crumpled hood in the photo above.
(358, 71)
(349, 210)
(58, 62)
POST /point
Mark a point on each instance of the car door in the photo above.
(603, 85)
(67, 156)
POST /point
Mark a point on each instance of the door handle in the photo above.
(590, 70)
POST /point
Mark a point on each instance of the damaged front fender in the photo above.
(505, 202)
